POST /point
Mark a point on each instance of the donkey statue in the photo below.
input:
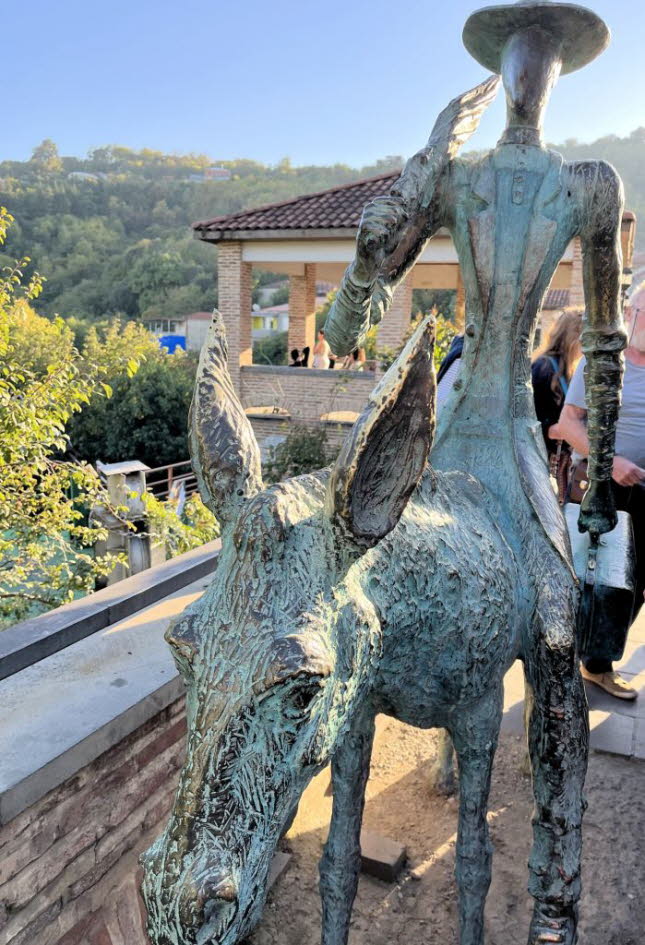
(379, 585)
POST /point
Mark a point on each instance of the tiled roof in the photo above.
(556, 299)
(338, 208)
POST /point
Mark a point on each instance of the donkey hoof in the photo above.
(551, 925)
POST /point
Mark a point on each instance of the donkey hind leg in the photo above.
(341, 860)
(558, 735)
(441, 775)
(475, 735)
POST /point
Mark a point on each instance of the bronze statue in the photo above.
(388, 584)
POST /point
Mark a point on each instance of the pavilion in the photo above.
(312, 238)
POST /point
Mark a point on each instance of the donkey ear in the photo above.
(385, 455)
(223, 448)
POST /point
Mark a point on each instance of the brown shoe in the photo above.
(612, 683)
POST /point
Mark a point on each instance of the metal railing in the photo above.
(166, 479)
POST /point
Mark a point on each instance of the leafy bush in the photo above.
(147, 416)
(445, 332)
(271, 350)
(195, 525)
(46, 555)
(303, 450)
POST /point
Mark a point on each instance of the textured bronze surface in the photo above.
(390, 584)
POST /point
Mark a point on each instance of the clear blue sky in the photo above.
(343, 80)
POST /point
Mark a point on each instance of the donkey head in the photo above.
(283, 644)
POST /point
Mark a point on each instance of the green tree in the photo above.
(271, 350)
(147, 416)
(46, 542)
(153, 275)
(442, 301)
(46, 156)
(444, 333)
(180, 531)
(303, 450)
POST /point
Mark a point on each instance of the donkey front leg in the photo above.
(558, 735)
(341, 861)
(475, 735)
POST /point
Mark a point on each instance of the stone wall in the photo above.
(268, 428)
(69, 869)
(305, 393)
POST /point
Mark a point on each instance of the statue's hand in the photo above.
(598, 509)
(380, 228)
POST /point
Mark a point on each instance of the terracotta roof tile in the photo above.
(555, 299)
(338, 208)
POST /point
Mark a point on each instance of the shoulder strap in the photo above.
(454, 352)
(563, 381)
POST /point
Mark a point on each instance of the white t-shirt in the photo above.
(445, 384)
(630, 429)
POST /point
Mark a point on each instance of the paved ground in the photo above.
(421, 908)
(616, 727)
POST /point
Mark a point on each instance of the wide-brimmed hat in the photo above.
(582, 32)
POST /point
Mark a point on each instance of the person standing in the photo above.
(322, 352)
(628, 471)
(551, 371)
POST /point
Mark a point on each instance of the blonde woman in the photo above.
(553, 367)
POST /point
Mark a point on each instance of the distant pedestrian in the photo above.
(322, 352)
(553, 366)
(355, 361)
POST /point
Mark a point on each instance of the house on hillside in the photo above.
(312, 238)
(275, 318)
(188, 332)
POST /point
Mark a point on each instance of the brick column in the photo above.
(302, 310)
(395, 324)
(234, 294)
(460, 305)
(576, 291)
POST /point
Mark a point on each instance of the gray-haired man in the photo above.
(628, 474)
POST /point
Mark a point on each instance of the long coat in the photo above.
(512, 216)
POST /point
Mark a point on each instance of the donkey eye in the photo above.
(300, 700)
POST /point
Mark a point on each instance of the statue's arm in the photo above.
(394, 229)
(367, 288)
(603, 336)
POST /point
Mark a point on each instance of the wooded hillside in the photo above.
(114, 238)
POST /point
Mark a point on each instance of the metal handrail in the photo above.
(160, 487)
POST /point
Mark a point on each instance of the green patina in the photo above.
(391, 583)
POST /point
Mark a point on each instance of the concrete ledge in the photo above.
(33, 640)
(62, 712)
(21, 795)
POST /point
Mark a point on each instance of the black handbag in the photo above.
(606, 569)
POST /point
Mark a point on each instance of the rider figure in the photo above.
(511, 215)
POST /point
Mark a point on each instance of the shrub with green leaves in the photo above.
(46, 555)
(303, 450)
(183, 530)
